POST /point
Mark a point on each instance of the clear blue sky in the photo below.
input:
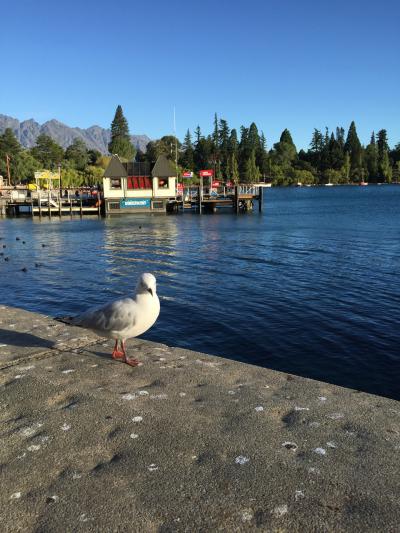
(294, 64)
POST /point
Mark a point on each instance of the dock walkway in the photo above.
(185, 442)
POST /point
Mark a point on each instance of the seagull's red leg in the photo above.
(116, 353)
(131, 362)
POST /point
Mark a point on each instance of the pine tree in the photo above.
(384, 168)
(198, 135)
(252, 172)
(120, 141)
(353, 148)
(47, 152)
(187, 158)
(371, 158)
(10, 150)
(232, 170)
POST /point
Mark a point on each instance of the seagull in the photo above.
(124, 318)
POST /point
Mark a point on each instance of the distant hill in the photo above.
(94, 137)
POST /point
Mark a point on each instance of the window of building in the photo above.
(139, 182)
(113, 205)
(163, 183)
(115, 183)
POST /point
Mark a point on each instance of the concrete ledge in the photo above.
(185, 442)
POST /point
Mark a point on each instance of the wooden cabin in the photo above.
(135, 187)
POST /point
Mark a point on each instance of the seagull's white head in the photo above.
(147, 284)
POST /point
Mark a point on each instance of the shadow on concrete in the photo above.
(24, 340)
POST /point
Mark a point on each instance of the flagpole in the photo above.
(176, 156)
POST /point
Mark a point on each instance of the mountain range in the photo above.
(94, 137)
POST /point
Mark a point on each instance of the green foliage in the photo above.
(120, 141)
(303, 177)
(47, 152)
(11, 149)
(353, 148)
(77, 154)
(252, 172)
(164, 146)
(232, 171)
(331, 175)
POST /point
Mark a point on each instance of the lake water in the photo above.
(311, 286)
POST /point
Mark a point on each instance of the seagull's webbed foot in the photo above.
(129, 361)
(116, 354)
(132, 362)
(119, 356)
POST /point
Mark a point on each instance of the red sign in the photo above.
(187, 174)
(206, 173)
(215, 183)
(229, 184)
(179, 186)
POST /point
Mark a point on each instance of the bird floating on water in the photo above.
(124, 318)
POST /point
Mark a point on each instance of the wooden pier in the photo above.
(47, 205)
(240, 200)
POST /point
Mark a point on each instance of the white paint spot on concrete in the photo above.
(259, 408)
(134, 435)
(241, 460)
(143, 393)
(54, 498)
(33, 448)
(331, 444)
(231, 392)
(301, 408)
(152, 468)
(84, 518)
(128, 397)
(336, 416)
(75, 475)
(11, 325)
(19, 376)
(322, 398)
(266, 386)
(68, 371)
(280, 510)
(137, 419)
(45, 439)
(162, 359)
(15, 496)
(290, 445)
(182, 357)
(21, 456)
(94, 366)
(319, 451)
(182, 394)
(313, 470)
(314, 424)
(247, 515)
(298, 495)
(65, 427)
(31, 430)
(24, 368)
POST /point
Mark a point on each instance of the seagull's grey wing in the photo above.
(115, 316)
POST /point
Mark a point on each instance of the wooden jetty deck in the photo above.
(53, 207)
(241, 200)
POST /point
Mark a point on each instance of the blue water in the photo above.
(311, 286)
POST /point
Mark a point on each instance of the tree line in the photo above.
(332, 157)
(335, 157)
